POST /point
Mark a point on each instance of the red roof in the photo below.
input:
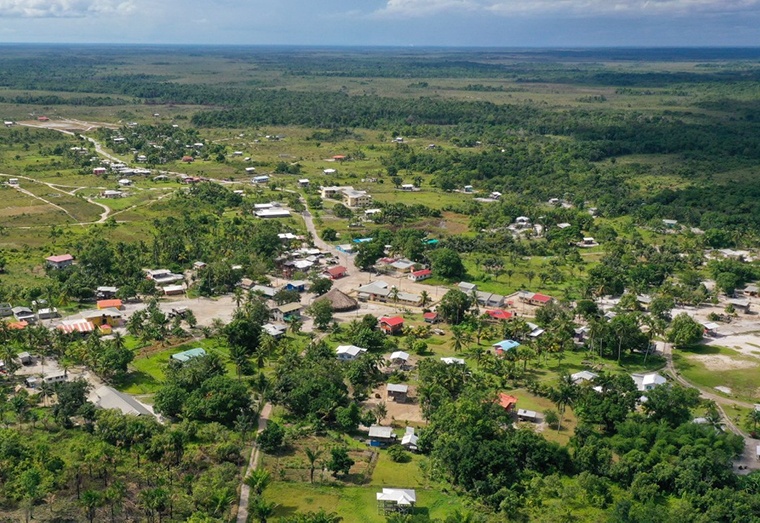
(499, 314)
(430, 315)
(543, 298)
(105, 304)
(339, 157)
(393, 321)
(17, 325)
(77, 326)
(506, 401)
(60, 258)
(338, 270)
(423, 272)
(187, 158)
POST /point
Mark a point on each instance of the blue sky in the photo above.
(517, 23)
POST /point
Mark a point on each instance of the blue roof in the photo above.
(188, 354)
(432, 241)
(506, 345)
(362, 240)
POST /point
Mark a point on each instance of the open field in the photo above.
(713, 366)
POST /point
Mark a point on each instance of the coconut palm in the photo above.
(424, 299)
(312, 455)
(258, 480)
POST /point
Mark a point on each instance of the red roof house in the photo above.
(336, 272)
(43, 119)
(110, 304)
(500, 314)
(188, 159)
(507, 402)
(420, 275)
(60, 261)
(430, 317)
(339, 157)
(542, 298)
(391, 325)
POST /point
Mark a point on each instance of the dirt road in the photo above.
(253, 463)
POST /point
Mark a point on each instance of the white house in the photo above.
(646, 382)
(349, 352)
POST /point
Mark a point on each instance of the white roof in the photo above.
(647, 381)
(584, 375)
(273, 213)
(404, 497)
(409, 439)
(451, 361)
(710, 326)
(108, 398)
(351, 350)
(397, 387)
(527, 413)
(400, 355)
(377, 431)
(174, 288)
(274, 330)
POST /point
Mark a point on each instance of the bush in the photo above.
(398, 454)
(271, 438)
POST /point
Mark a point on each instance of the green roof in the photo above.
(188, 354)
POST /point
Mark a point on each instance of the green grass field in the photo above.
(709, 366)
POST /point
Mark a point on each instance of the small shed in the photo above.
(397, 392)
(25, 358)
(399, 357)
(187, 355)
(380, 436)
(527, 415)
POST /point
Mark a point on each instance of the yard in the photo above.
(711, 366)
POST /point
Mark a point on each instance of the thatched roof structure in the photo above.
(340, 301)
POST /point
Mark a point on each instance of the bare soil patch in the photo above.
(720, 362)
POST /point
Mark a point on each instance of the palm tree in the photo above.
(312, 456)
(393, 295)
(563, 396)
(424, 299)
(295, 326)
(754, 418)
(258, 480)
(90, 501)
(114, 496)
(261, 509)
(509, 273)
(530, 275)
(459, 337)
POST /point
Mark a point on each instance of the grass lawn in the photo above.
(710, 366)
(353, 504)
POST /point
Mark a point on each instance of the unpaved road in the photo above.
(253, 463)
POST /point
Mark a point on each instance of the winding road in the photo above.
(253, 463)
(748, 461)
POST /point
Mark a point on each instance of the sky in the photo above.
(489, 23)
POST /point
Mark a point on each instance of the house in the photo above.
(353, 198)
(25, 358)
(403, 265)
(275, 331)
(328, 172)
(5, 310)
(106, 292)
(420, 275)
(107, 397)
(79, 326)
(584, 375)
(397, 392)
(407, 187)
(670, 224)
(110, 194)
(187, 159)
(392, 325)
(260, 179)
(125, 182)
(409, 439)
(272, 213)
(646, 382)
(108, 304)
(750, 290)
(563, 225)
(287, 312)
(453, 361)
(581, 333)
(99, 171)
(187, 355)
(111, 317)
(504, 346)
(199, 265)
(24, 314)
(13, 181)
(264, 290)
(522, 222)
(47, 313)
(303, 182)
(507, 402)
(740, 304)
(534, 298)
(395, 500)
(399, 357)
(468, 188)
(499, 314)
(250, 170)
(380, 436)
(527, 415)
(588, 241)
(535, 330)
(296, 285)
(430, 317)
(349, 352)
(43, 119)
(467, 288)
(488, 299)
(56, 377)
(711, 329)
(336, 272)
(174, 290)
(60, 261)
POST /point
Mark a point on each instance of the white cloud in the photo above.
(63, 8)
(576, 7)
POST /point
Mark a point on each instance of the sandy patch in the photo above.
(397, 411)
(720, 362)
